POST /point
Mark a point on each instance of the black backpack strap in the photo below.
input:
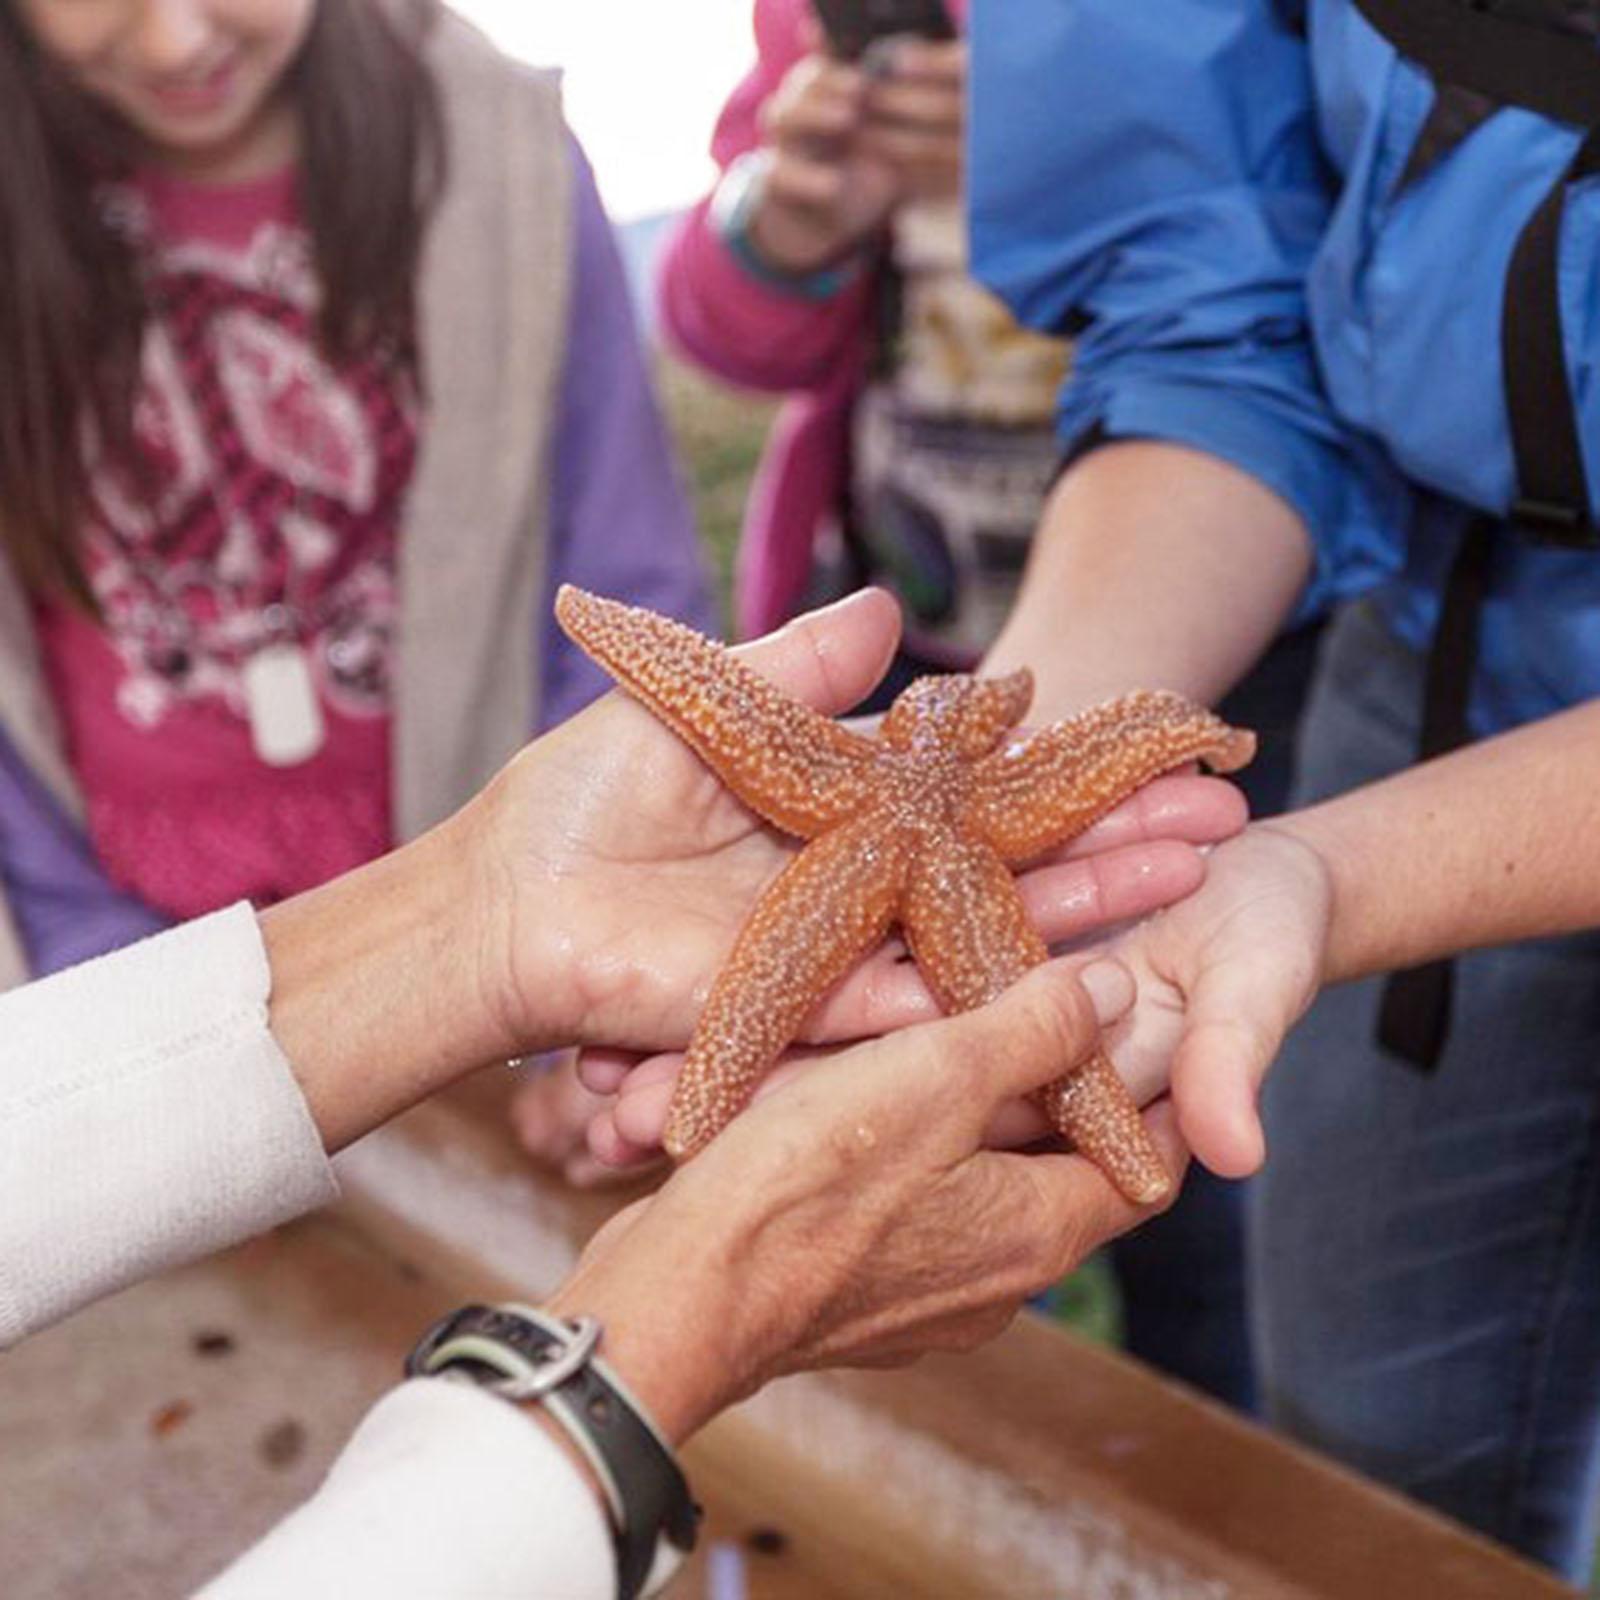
(1517, 57)
(1543, 57)
(1483, 53)
(1414, 1013)
(1553, 488)
(1454, 114)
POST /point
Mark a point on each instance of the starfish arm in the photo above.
(966, 925)
(1092, 1107)
(800, 770)
(1038, 792)
(826, 909)
(971, 713)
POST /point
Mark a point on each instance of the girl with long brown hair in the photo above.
(319, 373)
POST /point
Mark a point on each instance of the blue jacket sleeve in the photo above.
(64, 906)
(1150, 177)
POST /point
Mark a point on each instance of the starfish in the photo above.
(919, 827)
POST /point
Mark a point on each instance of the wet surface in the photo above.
(169, 1418)
(282, 1444)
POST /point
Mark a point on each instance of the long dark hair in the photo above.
(72, 307)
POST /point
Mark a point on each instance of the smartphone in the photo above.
(852, 25)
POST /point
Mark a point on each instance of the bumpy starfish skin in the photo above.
(919, 827)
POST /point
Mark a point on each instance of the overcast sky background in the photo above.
(644, 80)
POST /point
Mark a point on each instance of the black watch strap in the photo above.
(523, 1354)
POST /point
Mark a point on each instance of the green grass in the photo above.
(720, 433)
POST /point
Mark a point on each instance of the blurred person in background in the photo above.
(916, 451)
(321, 373)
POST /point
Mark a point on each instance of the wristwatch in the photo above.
(522, 1354)
(732, 211)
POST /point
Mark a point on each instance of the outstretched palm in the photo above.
(1222, 977)
(624, 868)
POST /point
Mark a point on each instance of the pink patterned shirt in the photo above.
(270, 516)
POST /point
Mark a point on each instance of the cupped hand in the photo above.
(616, 869)
(1139, 858)
(853, 1215)
(616, 866)
(1223, 976)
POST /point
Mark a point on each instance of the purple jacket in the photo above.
(618, 524)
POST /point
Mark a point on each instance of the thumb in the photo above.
(1041, 1027)
(1232, 1033)
(831, 658)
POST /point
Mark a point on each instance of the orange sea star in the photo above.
(920, 826)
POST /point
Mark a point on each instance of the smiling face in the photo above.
(200, 81)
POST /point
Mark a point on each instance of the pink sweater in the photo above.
(758, 337)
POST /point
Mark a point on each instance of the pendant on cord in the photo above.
(285, 714)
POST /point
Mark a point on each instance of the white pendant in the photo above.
(286, 723)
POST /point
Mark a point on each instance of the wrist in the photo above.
(526, 905)
(794, 252)
(1317, 854)
(797, 247)
(533, 1359)
(668, 1346)
(375, 996)
(677, 1331)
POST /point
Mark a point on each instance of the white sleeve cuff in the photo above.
(147, 1117)
(442, 1490)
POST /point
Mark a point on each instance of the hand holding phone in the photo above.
(842, 145)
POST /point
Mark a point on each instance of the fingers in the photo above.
(883, 994)
(636, 1120)
(911, 60)
(550, 1112)
(1235, 1028)
(1216, 1082)
(603, 1072)
(822, 119)
(611, 1148)
(912, 150)
(1037, 1030)
(1074, 899)
(1016, 1125)
(830, 658)
(1193, 809)
(1065, 900)
(923, 105)
(806, 184)
(818, 102)
(1071, 1208)
(640, 1112)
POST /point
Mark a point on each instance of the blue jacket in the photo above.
(1208, 187)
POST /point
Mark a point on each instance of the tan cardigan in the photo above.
(492, 309)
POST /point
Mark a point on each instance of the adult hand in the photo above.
(1131, 863)
(590, 893)
(616, 869)
(854, 1217)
